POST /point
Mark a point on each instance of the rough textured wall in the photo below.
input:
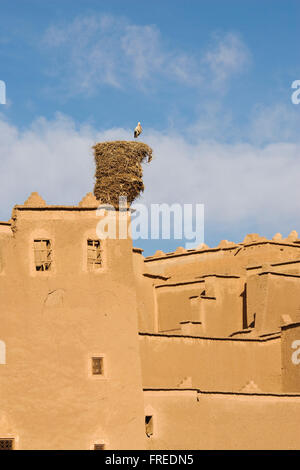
(145, 293)
(233, 260)
(210, 364)
(270, 298)
(188, 420)
(173, 304)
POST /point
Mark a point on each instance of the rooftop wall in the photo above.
(222, 364)
(222, 260)
(229, 289)
(271, 297)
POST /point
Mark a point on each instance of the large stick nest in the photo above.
(119, 171)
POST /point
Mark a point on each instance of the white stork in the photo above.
(138, 130)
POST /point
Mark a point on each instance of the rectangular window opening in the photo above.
(94, 255)
(6, 444)
(42, 255)
(99, 446)
(97, 366)
(149, 425)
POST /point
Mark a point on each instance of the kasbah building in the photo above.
(103, 348)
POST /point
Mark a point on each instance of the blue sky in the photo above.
(209, 80)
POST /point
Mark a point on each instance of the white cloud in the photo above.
(275, 123)
(227, 57)
(142, 46)
(106, 50)
(238, 182)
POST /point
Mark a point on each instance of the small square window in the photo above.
(99, 446)
(149, 425)
(6, 444)
(97, 366)
(94, 255)
(42, 255)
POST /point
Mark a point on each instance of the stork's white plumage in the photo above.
(138, 130)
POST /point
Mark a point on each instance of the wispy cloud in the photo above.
(228, 56)
(276, 123)
(104, 50)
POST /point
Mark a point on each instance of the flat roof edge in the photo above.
(64, 208)
(219, 392)
(211, 338)
(238, 245)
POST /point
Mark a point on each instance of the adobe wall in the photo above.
(190, 420)
(228, 260)
(235, 285)
(145, 293)
(53, 322)
(271, 297)
(219, 305)
(173, 304)
(210, 364)
(5, 235)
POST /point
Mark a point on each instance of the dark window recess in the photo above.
(94, 257)
(6, 444)
(97, 365)
(99, 446)
(42, 255)
(149, 425)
